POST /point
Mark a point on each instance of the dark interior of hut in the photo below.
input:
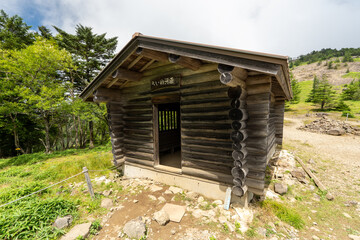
(169, 134)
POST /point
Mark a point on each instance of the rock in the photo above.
(200, 199)
(107, 193)
(135, 228)
(270, 194)
(222, 219)
(173, 231)
(354, 237)
(197, 213)
(161, 217)
(280, 188)
(135, 201)
(346, 215)
(175, 190)
(261, 231)
(168, 192)
(152, 197)
(176, 212)
(161, 199)
(155, 188)
(299, 175)
(336, 132)
(314, 237)
(192, 195)
(106, 203)
(329, 197)
(217, 202)
(78, 230)
(63, 222)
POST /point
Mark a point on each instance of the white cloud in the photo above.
(276, 26)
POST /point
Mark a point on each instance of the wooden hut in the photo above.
(197, 116)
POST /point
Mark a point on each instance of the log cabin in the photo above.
(201, 117)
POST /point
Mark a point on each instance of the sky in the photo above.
(285, 27)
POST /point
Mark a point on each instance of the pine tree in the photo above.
(313, 90)
(295, 87)
(324, 94)
(14, 33)
(91, 52)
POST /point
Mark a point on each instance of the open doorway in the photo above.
(169, 134)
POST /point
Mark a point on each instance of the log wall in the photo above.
(259, 130)
(207, 150)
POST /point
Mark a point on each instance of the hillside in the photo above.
(306, 72)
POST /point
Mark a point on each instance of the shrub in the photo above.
(347, 114)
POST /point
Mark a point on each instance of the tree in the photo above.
(35, 71)
(14, 33)
(90, 53)
(313, 90)
(295, 89)
(324, 94)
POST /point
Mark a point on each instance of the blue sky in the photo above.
(285, 27)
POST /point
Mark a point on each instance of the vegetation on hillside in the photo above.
(325, 54)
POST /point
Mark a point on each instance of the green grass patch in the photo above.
(32, 219)
(354, 75)
(284, 213)
(27, 159)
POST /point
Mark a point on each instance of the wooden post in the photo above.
(88, 181)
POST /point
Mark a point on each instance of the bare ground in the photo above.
(337, 158)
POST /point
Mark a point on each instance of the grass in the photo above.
(32, 217)
(353, 75)
(303, 107)
(284, 213)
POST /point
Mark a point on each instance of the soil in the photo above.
(336, 158)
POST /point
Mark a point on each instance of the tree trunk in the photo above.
(16, 135)
(47, 134)
(91, 129)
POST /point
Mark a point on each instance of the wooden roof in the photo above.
(144, 53)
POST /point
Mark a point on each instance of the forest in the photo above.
(42, 75)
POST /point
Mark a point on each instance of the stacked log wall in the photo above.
(279, 120)
(259, 130)
(116, 126)
(205, 126)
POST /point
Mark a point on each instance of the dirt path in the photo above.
(336, 158)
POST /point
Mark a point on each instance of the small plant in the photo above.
(251, 232)
(226, 228)
(212, 237)
(298, 198)
(95, 227)
(347, 70)
(237, 227)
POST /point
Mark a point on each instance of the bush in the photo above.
(342, 106)
(347, 114)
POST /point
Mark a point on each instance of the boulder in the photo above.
(280, 188)
(80, 230)
(175, 190)
(107, 203)
(336, 132)
(161, 217)
(63, 222)
(135, 228)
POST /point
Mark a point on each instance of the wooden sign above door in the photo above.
(165, 82)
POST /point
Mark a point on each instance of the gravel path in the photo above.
(340, 164)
